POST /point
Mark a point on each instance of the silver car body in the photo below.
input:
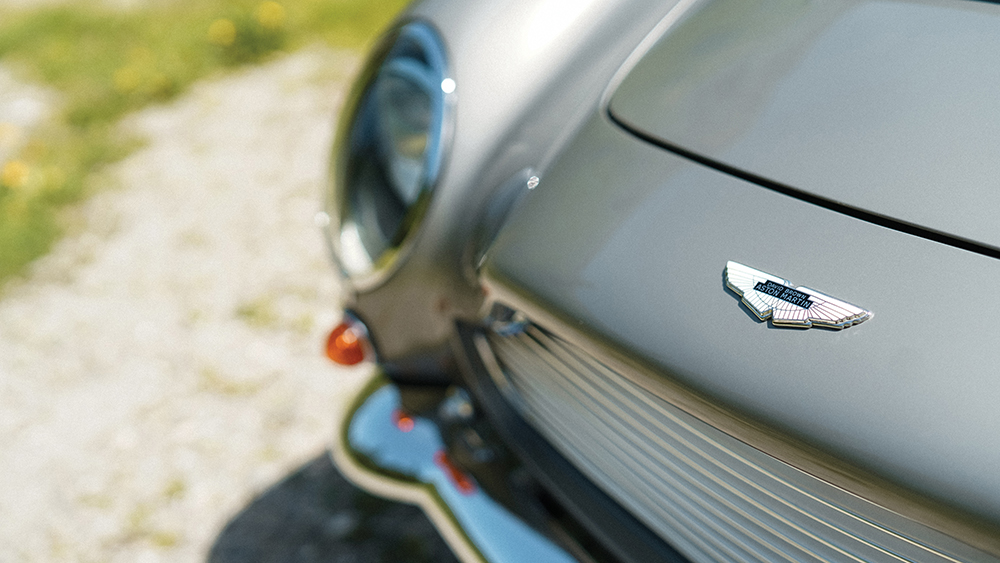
(850, 146)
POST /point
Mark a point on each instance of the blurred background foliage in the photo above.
(106, 62)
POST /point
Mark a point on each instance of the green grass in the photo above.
(106, 63)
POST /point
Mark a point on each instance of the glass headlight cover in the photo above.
(389, 152)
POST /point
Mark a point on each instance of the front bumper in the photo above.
(432, 446)
(502, 489)
(390, 450)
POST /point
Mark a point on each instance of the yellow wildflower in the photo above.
(127, 79)
(14, 173)
(222, 32)
(270, 15)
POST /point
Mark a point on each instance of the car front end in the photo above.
(586, 242)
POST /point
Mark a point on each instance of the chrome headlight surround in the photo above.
(394, 134)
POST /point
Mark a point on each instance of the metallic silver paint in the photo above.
(886, 106)
(618, 247)
(637, 267)
(522, 95)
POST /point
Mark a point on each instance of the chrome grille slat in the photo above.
(729, 473)
(773, 552)
(711, 496)
(861, 530)
(678, 453)
(626, 489)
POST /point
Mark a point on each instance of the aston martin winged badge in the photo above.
(787, 305)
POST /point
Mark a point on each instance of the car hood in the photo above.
(886, 108)
(627, 243)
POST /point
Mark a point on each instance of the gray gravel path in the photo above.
(161, 367)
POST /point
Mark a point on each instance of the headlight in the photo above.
(389, 152)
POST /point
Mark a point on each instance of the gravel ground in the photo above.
(161, 368)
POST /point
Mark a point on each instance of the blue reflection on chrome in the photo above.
(498, 534)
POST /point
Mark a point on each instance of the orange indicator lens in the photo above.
(346, 345)
(403, 421)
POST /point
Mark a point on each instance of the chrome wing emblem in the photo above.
(787, 305)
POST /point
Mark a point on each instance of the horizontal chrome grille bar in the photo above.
(710, 495)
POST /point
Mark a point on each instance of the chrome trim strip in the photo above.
(400, 464)
(340, 231)
(726, 503)
(687, 460)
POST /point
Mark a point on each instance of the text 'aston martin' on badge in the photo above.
(771, 296)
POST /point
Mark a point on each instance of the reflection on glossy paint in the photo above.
(374, 433)
(860, 102)
(459, 479)
(550, 20)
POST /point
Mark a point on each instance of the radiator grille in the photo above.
(711, 496)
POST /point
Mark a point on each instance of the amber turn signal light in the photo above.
(346, 344)
(403, 421)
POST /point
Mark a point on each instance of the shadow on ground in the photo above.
(316, 515)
